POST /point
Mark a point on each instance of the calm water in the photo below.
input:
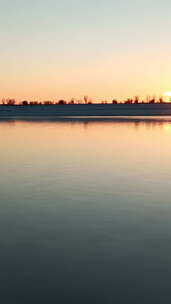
(85, 212)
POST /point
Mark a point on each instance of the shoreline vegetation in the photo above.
(10, 108)
(86, 100)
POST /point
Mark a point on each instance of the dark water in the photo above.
(85, 212)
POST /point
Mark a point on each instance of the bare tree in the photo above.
(136, 100)
(128, 101)
(85, 99)
(72, 101)
(148, 98)
(11, 102)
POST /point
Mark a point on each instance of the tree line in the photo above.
(86, 100)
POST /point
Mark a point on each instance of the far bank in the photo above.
(69, 110)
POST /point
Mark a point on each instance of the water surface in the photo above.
(85, 211)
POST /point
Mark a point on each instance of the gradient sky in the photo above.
(71, 48)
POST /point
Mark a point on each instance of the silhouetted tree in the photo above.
(72, 101)
(86, 99)
(161, 100)
(136, 100)
(61, 102)
(152, 101)
(47, 102)
(148, 98)
(34, 103)
(11, 102)
(114, 101)
(24, 102)
(128, 101)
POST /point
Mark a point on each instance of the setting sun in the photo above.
(167, 94)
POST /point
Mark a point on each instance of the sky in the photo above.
(71, 48)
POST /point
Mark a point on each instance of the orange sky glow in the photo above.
(53, 50)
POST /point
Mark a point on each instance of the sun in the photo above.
(167, 94)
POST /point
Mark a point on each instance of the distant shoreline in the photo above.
(82, 110)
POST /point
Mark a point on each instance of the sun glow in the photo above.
(167, 94)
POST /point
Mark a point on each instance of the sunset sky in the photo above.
(71, 48)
